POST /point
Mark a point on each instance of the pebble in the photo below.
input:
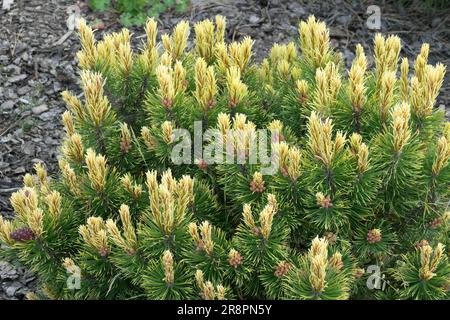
(23, 90)
(344, 20)
(12, 69)
(19, 170)
(7, 105)
(253, 19)
(39, 109)
(12, 289)
(17, 78)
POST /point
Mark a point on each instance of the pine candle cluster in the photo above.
(362, 176)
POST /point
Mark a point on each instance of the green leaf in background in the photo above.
(182, 6)
(156, 9)
(99, 5)
(128, 19)
(134, 7)
(169, 3)
(135, 12)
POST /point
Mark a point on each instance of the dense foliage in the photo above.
(361, 182)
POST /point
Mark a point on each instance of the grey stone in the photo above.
(28, 148)
(7, 105)
(23, 90)
(39, 109)
(24, 101)
(12, 69)
(18, 78)
(19, 170)
(253, 19)
(11, 94)
(435, 22)
(12, 289)
(344, 20)
(8, 272)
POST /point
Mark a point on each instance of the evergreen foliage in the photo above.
(362, 177)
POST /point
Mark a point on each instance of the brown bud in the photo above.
(330, 237)
(282, 269)
(374, 236)
(436, 223)
(421, 243)
(234, 258)
(202, 164)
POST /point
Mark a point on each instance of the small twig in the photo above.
(13, 49)
(36, 70)
(9, 190)
(63, 38)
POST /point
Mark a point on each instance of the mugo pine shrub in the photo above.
(360, 181)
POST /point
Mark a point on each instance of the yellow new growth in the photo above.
(169, 200)
(328, 84)
(87, 54)
(248, 216)
(400, 126)
(97, 170)
(94, 234)
(53, 200)
(360, 151)
(314, 42)
(69, 176)
(134, 189)
(321, 142)
(151, 30)
(205, 84)
(67, 120)
(265, 220)
(167, 91)
(25, 201)
(207, 291)
(149, 140)
(204, 39)
(97, 103)
(167, 131)
(404, 85)
(73, 149)
(424, 89)
(128, 242)
(221, 24)
(356, 88)
(177, 42)
(318, 258)
(442, 156)
(387, 51)
(6, 228)
(240, 53)
(237, 90)
(386, 93)
(430, 260)
(203, 239)
(167, 262)
(73, 103)
(179, 77)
